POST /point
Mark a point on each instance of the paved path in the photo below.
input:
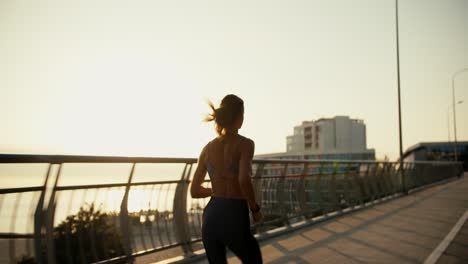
(404, 230)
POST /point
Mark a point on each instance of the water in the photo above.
(17, 209)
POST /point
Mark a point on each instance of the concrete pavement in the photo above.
(404, 230)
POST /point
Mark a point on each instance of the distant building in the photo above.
(339, 138)
(443, 151)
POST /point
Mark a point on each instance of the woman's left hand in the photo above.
(257, 217)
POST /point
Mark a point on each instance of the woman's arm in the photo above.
(245, 172)
(197, 190)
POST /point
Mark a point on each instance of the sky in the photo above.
(132, 78)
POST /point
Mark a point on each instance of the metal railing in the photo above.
(118, 221)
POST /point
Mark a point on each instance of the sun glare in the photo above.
(130, 106)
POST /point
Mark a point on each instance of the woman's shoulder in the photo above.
(246, 141)
(210, 143)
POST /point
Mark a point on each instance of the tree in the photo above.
(89, 234)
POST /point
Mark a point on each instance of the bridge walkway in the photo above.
(409, 229)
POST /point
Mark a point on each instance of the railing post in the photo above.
(358, 191)
(181, 226)
(403, 178)
(50, 214)
(372, 173)
(332, 190)
(257, 187)
(39, 221)
(302, 191)
(257, 183)
(346, 185)
(399, 178)
(411, 172)
(366, 183)
(280, 194)
(350, 192)
(385, 178)
(125, 219)
(318, 190)
(395, 177)
(379, 184)
(11, 242)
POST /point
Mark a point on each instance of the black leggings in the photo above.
(226, 224)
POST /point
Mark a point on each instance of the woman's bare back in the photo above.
(222, 158)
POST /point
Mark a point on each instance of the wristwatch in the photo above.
(256, 210)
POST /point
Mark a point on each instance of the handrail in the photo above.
(20, 190)
(58, 159)
(288, 191)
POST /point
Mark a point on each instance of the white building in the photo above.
(339, 138)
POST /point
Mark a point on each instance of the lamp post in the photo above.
(448, 123)
(399, 99)
(448, 118)
(454, 110)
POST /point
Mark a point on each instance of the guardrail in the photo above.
(117, 222)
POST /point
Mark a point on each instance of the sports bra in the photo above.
(233, 167)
